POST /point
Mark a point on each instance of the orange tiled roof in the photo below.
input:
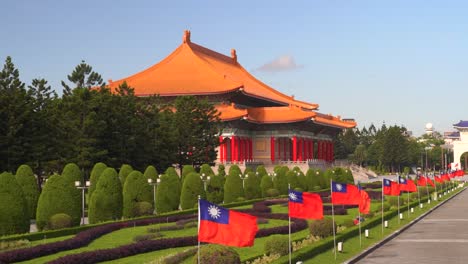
(285, 114)
(192, 69)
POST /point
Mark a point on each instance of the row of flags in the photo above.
(219, 225)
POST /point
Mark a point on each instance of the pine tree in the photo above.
(25, 178)
(14, 216)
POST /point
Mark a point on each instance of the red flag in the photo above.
(364, 205)
(445, 177)
(422, 181)
(219, 225)
(438, 179)
(305, 205)
(430, 182)
(410, 186)
(391, 188)
(343, 193)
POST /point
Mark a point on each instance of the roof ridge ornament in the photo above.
(234, 55)
(186, 37)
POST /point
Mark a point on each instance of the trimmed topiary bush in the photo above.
(107, 201)
(124, 171)
(96, 172)
(233, 188)
(322, 228)
(191, 188)
(266, 184)
(58, 196)
(142, 209)
(272, 192)
(59, 221)
(217, 254)
(72, 173)
(277, 244)
(151, 173)
(215, 189)
(313, 180)
(175, 187)
(186, 170)
(136, 189)
(28, 183)
(280, 181)
(252, 187)
(206, 169)
(293, 181)
(221, 171)
(14, 215)
(164, 193)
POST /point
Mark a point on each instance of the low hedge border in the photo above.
(153, 245)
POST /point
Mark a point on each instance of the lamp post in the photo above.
(204, 179)
(83, 189)
(243, 179)
(154, 184)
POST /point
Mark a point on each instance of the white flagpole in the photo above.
(382, 203)
(399, 199)
(427, 191)
(289, 224)
(360, 235)
(417, 187)
(199, 228)
(435, 184)
(407, 194)
(333, 217)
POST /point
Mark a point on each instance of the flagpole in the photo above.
(198, 232)
(398, 199)
(382, 204)
(289, 224)
(435, 185)
(407, 194)
(333, 217)
(360, 235)
(427, 191)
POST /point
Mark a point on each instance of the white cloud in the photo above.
(283, 63)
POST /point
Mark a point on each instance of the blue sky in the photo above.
(398, 62)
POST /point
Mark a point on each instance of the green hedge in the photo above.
(136, 189)
(14, 215)
(233, 188)
(96, 172)
(124, 171)
(25, 178)
(191, 188)
(107, 201)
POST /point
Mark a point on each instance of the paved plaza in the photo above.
(440, 237)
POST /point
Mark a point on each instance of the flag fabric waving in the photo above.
(305, 205)
(219, 225)
(422, 181)
(438, 179)
(429, 181)
(407, 185)
(391, 188)
(364, 204)
(343, 193)
(445, 177)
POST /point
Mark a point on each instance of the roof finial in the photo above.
(186, 37)
(234, 55)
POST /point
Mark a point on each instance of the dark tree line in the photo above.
(90, 124)
(390, 149)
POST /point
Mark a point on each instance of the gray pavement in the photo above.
(440, 237)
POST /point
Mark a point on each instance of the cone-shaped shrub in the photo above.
(313, 180)
(191, 188)
(106, 201)
(252, 186)
(280, 181)
(261, 171)
(186, 169)
(151, 173)
(348, 175)
(72, 173)
(222, 170)
(94, 178)
(233, 188)
(292, 179)
(329, 174)
(265, 185)
(57, 197)
(163, 193)
(25, 178)
(14, 215)
(206, 169)
(247, 171)
(175, 187)
(323, 179)
(301, 178)
(124, 171)
(136, 189)
(215, 189)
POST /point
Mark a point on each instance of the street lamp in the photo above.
(202, 177)
(83, 189)
(151, 182)
(243, 179)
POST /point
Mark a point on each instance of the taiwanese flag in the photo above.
(445, 177)
(364, 204)
(422, 181)
(391, 188)
(438, 179)
(305, 205)
(219, 225)
(343, 193)
(429, 181)
(407, 185)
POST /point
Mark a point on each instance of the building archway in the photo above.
(460, 147)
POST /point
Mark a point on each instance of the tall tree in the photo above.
(15, 115)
